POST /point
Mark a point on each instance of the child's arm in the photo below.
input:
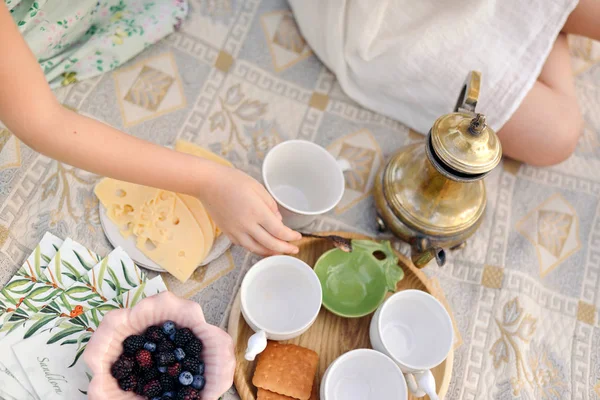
(240, 206)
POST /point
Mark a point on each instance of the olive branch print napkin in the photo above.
(69, 261)
(113, 276)
(51, 359)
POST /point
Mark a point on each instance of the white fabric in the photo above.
(408, 59)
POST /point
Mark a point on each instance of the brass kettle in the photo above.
(432, 195)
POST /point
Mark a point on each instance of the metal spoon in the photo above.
(341, 243)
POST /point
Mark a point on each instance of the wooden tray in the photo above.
(330, 336)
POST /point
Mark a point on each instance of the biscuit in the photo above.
(286, 369)
(266, 395)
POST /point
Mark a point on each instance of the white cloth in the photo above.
(408, 59)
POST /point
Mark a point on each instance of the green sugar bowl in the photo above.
(356, 283)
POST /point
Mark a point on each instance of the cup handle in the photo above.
(422, 383)
(344, 164)
(256, 344)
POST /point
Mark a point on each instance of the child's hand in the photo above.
(243, 209)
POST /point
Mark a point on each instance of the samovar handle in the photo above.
(467, 101)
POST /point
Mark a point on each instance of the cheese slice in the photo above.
(184, 250)
(122, 201)
(189, 148)
(202, 218)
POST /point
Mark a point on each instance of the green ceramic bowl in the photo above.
(355, 284)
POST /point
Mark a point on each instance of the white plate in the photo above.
(111, 230)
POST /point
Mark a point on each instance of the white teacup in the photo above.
(281, 297)
(414, 330)
(304, 179)
(363, 374)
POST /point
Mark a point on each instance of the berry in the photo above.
(179, 354)
(128, 383)
(147, 374)
(192, 365)
(167, 383)
(165, 345)
(167, 395)
(151, 347)
(133, 343)
(154, 334)
(155, 398)
(186, 378)
(144, 358)
(174, 370)
(188, 393)
(162, 369)
(122, 367)
(199, 382)
(193, 348)
(152, 388)
(183, 336)
(172, 337)
(201, 368)
(165, 358)
(169, 327)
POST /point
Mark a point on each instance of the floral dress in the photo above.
(79, 39)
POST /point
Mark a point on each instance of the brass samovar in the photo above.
(432, 195)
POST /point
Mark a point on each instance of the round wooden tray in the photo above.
(330, 336)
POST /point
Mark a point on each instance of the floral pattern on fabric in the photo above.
(80, 39)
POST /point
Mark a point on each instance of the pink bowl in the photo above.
(105, 346)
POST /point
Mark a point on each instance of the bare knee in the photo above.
(563, 138)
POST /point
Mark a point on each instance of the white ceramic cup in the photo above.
(414, 329)
(304, 179)
(363, 374)
(280, 297)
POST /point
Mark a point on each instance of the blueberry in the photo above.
(172, 336)
(186, 378)
(169, 327)
(151, 347)
(198, 382)
(167, 395)
(179, 354)
(162, 369)
(155, 398)
(201, 368)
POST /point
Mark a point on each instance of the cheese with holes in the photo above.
(198, 151)
(201, 216)
(122, 201)
(183, 250)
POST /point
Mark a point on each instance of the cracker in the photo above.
(266, 395)
(286, 369)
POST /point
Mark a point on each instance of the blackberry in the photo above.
(193, 348)
(154, 334)
(168, 327)
(165, 358)
(174, 370)
(199, 382)
(133, 343)
(128, 383)
(147, 374)
(144, 358)
(122, 367)
(186, 378)
(165, 345)
(152, 388)
(188, 393)
(179, 354)
(166, 382)
(192, 365)
(183, 336)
